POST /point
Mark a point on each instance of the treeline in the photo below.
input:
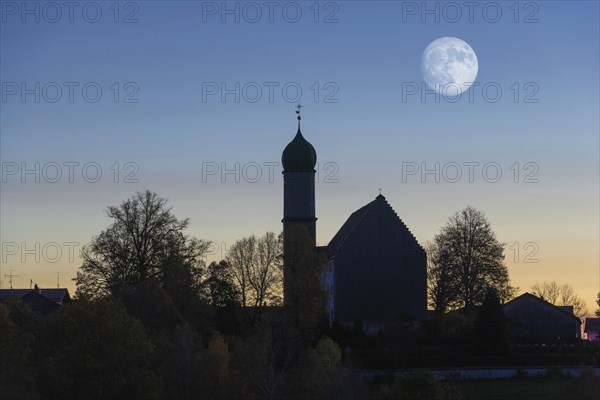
(140, 346)
(150, 321)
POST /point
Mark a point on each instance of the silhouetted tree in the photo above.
(442, 279)
(267, 277)
(491, 326)
(144, 242)
(469, 246)
(188, 370)
(95, 351)
(598, 302)
(259, 363)
(18, 328)
(256, 268)
(560, 295)
(151, 305)
(220, 285)
(320, 374)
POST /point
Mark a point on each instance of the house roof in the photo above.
(561, 309)
(354, 220)
(6, 294)
(56, 294)
(592, 325)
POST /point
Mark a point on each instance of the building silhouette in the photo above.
(43, 301)
(377, 271)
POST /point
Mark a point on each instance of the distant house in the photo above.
(534, 317)
(592, 329)
(43, 301)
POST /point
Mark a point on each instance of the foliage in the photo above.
(598, 303)
(256, 269)
(151, 305)
(491, 327)
(18, 328)
(220, 286)
(188, 370)
(144, 242)
(419, 386)
(260, 363)
(321, 375)
(95, 351)
(468, 260)
(442, 282)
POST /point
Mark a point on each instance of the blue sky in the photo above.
(177, 50)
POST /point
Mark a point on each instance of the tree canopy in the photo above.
(256, 268)
(466, 260)
(145, 241)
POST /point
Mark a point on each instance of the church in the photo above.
(376, 270)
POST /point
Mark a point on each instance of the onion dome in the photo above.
(299, 154)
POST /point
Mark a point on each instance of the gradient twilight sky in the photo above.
(353, 61)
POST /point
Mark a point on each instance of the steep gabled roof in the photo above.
(543, 302)
(355, 219)
(347, 228)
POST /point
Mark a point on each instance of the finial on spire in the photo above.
(299, 106)
(379, 190)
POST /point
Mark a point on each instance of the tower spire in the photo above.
(299, 106)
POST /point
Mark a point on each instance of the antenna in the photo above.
(10, 277)
(58, 279)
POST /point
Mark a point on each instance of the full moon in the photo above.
(449, 66)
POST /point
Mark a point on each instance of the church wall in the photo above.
(380, 271)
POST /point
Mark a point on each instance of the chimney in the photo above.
(36, 288)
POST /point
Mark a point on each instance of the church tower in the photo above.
(299, 159)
